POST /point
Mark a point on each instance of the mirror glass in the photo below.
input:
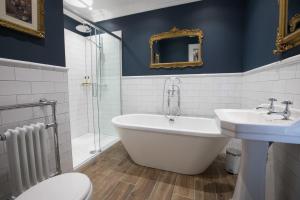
(293, 15)
(179, 49)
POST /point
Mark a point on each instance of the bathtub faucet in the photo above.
(172, 92)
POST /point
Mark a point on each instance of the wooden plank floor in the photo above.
(116, 177)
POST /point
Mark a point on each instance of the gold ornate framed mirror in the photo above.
(288, 34)
(176, 49)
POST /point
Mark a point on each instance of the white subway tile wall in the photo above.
(76, 59)
(26, 83)
(200, 94)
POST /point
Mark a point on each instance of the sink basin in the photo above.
(258, 125)
(256, 129)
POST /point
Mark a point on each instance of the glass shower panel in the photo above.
(94, 58)
(110, 86)
(104, 96)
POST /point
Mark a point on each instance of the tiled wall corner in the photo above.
(23, 82)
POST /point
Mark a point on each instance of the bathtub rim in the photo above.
(186, 132)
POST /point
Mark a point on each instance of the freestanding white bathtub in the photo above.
(187, 146)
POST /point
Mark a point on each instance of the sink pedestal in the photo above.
(256, 129)
(251, 179)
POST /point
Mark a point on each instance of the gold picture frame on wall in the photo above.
(26, 16)
(288, 36)
(176, 33)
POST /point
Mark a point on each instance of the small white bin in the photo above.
(233, 157)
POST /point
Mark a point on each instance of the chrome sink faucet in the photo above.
(271, 107)
(286, 113)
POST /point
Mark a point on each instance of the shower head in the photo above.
(84, 28)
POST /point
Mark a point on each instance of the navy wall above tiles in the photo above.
(239, 35)
(261, 24)
(222, 24)
(20, 46)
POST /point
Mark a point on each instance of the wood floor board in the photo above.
(199, 188)
(177, 197)
(210, 186)
(133, 174)
(145, 184)
(185, 186)
(224, 187)
(120, 192)
(164, 187)
(116, 177)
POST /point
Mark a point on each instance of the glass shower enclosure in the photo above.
(100, 93)
(103, 58)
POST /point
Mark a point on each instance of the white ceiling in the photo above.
(99, 10)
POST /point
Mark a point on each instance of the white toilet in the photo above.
(69, 186)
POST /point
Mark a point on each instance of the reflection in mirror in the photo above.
(177, 48)
(294, 15)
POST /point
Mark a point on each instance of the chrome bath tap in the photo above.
(172, 90)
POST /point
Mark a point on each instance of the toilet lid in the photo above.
(69, 186)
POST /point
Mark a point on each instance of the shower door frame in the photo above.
(95, 70)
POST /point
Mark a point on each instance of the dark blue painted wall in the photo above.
(20, 46)
(239, 36)
(222, 23)
(261, 24)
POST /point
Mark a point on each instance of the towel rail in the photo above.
(41, 103)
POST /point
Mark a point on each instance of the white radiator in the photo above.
(27, 156)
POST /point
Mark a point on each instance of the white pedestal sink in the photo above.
(256, 129)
